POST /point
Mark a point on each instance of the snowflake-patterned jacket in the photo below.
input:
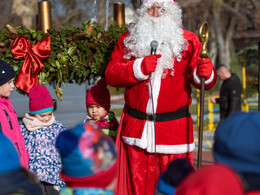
(44, 158)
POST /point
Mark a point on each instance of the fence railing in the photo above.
(214, 117)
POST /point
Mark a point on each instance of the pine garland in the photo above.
(77, 54)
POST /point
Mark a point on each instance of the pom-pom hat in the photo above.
(6, 72)
(99, 95)
(89, 157)
(40, 100)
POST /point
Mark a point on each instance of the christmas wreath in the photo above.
(76, 54)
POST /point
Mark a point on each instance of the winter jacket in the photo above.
(18, 180)
(230, 96)
(44, 159)
(108, 124)
(10, 128)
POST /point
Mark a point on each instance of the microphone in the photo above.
(153, 45)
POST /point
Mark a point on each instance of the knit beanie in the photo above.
(40, 100)
(6, 72)
(237, 142)
(9, 156)
(89, 157)
(176, 171)
(211, 179)
(99, 95)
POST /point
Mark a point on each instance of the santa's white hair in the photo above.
(166, 29)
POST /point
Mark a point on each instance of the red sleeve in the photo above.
(119, 71)
(195, 46)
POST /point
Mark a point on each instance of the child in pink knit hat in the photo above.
(40, 130)
(98, 106)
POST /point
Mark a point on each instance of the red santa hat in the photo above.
(156, 1)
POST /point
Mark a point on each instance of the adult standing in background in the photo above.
(230, 92)
(168, 75)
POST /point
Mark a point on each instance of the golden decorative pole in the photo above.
(203, 37)
(119, 13)
(44, 17)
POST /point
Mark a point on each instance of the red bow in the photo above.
(32, 65)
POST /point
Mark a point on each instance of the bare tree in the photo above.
(226, 20)
(224, 29)
(26, 10)
(136, 3)
(18, 12)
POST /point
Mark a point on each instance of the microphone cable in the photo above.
(153, 45)
(153, 112)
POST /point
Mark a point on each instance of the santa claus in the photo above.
(158, 93)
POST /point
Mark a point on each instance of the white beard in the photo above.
(166, 29)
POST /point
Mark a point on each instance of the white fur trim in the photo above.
(197, 79)
(210, 78)
(147, 140)
(156, 1)
(165, 149)
(174, 149)
(137, 70)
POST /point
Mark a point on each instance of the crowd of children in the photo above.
(41, 156)
(35, 138)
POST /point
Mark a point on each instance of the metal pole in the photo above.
(203, 37)
(200, 137)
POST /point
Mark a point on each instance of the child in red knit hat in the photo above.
(40, 130)
(98, 106)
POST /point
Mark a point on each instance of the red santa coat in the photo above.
(170, 93)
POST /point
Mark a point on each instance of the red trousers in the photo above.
(141, 168)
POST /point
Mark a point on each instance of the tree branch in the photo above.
(66, 20)
(233, 10)
(231, 27)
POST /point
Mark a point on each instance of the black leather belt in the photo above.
(158, 117)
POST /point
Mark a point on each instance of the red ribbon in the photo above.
(32, 65)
